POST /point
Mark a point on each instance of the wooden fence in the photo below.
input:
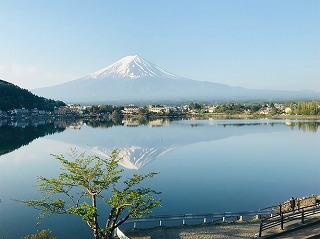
(283, 217)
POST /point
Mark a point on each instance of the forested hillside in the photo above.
(14, 97)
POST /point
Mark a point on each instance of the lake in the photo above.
(205, 166)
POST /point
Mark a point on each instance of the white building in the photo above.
(131, 109)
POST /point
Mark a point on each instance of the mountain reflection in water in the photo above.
(137, 142)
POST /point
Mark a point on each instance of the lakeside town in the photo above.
(23, 117)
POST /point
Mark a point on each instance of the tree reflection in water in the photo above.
(14, 135)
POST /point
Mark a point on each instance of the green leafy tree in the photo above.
(86, 179)
(195, 106)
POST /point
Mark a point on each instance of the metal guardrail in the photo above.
(269, 217)
(194, 219)
(285, 217)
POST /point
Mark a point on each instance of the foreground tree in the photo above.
(86, 179)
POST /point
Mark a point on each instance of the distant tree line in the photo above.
(272, 108)
(100, 110)
(105, 109)
(236, 108)
(305, 108)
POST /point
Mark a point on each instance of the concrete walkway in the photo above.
(205, 231)
(233, 230)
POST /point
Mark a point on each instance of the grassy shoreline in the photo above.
(246, 116)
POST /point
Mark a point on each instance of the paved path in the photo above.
(224, 231)
(205, 231)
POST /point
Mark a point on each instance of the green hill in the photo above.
(14, 97)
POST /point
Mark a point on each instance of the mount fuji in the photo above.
(133, 67)
(136, 80)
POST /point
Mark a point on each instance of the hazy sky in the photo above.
(271, 44)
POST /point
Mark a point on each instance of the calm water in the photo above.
(204, 165)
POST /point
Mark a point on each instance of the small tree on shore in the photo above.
(86, 179)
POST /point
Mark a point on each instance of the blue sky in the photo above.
(257, 44)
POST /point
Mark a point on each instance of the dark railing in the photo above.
(284, 217)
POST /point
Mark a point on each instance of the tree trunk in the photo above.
(95, 219)
(108, 234)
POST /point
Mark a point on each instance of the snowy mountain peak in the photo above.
(132, 67)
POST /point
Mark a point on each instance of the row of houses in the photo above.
(128, 110)
(157, 109)
(187, 109)
(28, 113)
(78, 110)
(163, 109)
(70, 110)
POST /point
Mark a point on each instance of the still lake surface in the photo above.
(205, 166)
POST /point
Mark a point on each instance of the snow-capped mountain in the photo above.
(132, 67)
(134, 80)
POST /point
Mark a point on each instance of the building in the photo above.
(131, 109)
(159, 109)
